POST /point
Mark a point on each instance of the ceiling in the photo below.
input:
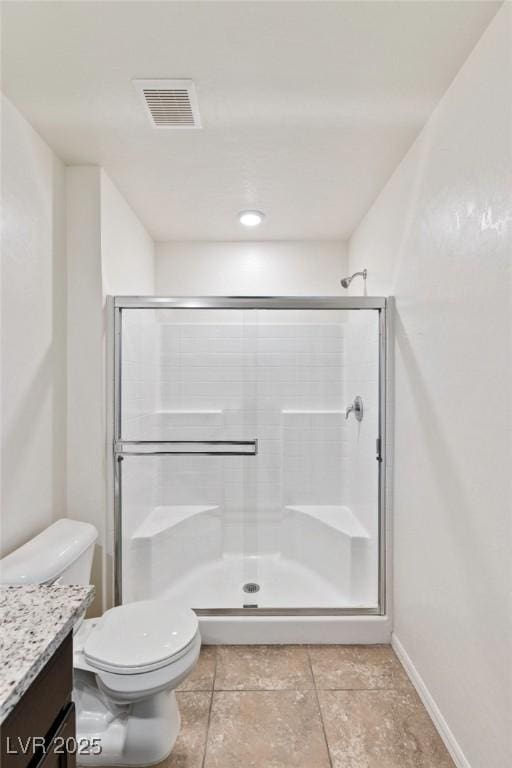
(306, 107)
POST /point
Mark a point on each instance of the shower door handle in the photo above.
(183, 447)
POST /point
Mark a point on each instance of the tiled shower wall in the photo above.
(282, 378)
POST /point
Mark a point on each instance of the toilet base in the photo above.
(140, 733)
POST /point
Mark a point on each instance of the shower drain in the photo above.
(251, 587)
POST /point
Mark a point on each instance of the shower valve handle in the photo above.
(357, 408)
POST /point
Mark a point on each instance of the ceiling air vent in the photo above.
(170, 103)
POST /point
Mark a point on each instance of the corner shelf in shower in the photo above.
(335, 516)
(162, 519)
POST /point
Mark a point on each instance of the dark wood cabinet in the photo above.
(57, 753)
(40, 731)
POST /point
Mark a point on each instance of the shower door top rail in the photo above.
(250, 302)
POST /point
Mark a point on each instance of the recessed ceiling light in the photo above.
(250, 218)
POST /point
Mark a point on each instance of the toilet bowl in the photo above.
(127, 664)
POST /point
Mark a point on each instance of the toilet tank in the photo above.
(61, 553)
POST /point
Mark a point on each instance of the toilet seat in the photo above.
(141, 637)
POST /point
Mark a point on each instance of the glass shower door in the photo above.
(184, 455)
(247, 469)
(317, 510)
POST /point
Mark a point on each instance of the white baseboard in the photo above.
(430, 705)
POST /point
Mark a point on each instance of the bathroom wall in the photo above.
(439, 238)
(108, 252)
(33, 311)
(127, 250)
(86, 484)
(250, 268)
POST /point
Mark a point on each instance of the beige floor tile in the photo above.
(201, 677)
(381, 729)
(189, 749)
(339, 667)
(262, 667)
(266, 729)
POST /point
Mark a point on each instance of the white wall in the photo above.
(127, 251)
(439, 239)
(250, 269)
(86, 473)
(33, 333)
(108, 252)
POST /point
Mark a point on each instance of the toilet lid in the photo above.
(138, 637)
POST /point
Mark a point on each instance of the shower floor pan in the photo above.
(283, 583)
(320, 562)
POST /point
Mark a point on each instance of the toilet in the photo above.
(127, 664)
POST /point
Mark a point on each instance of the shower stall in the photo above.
(249, 461)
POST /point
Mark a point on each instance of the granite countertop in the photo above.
(34, 621)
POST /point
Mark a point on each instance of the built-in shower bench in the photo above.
(335, 516)
(162, 519)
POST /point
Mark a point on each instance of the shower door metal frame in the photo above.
(380, 304)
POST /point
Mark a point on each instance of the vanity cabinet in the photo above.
(40, 730)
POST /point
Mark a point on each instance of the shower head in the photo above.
(347, 280)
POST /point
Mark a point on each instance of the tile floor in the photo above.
(303, 706)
